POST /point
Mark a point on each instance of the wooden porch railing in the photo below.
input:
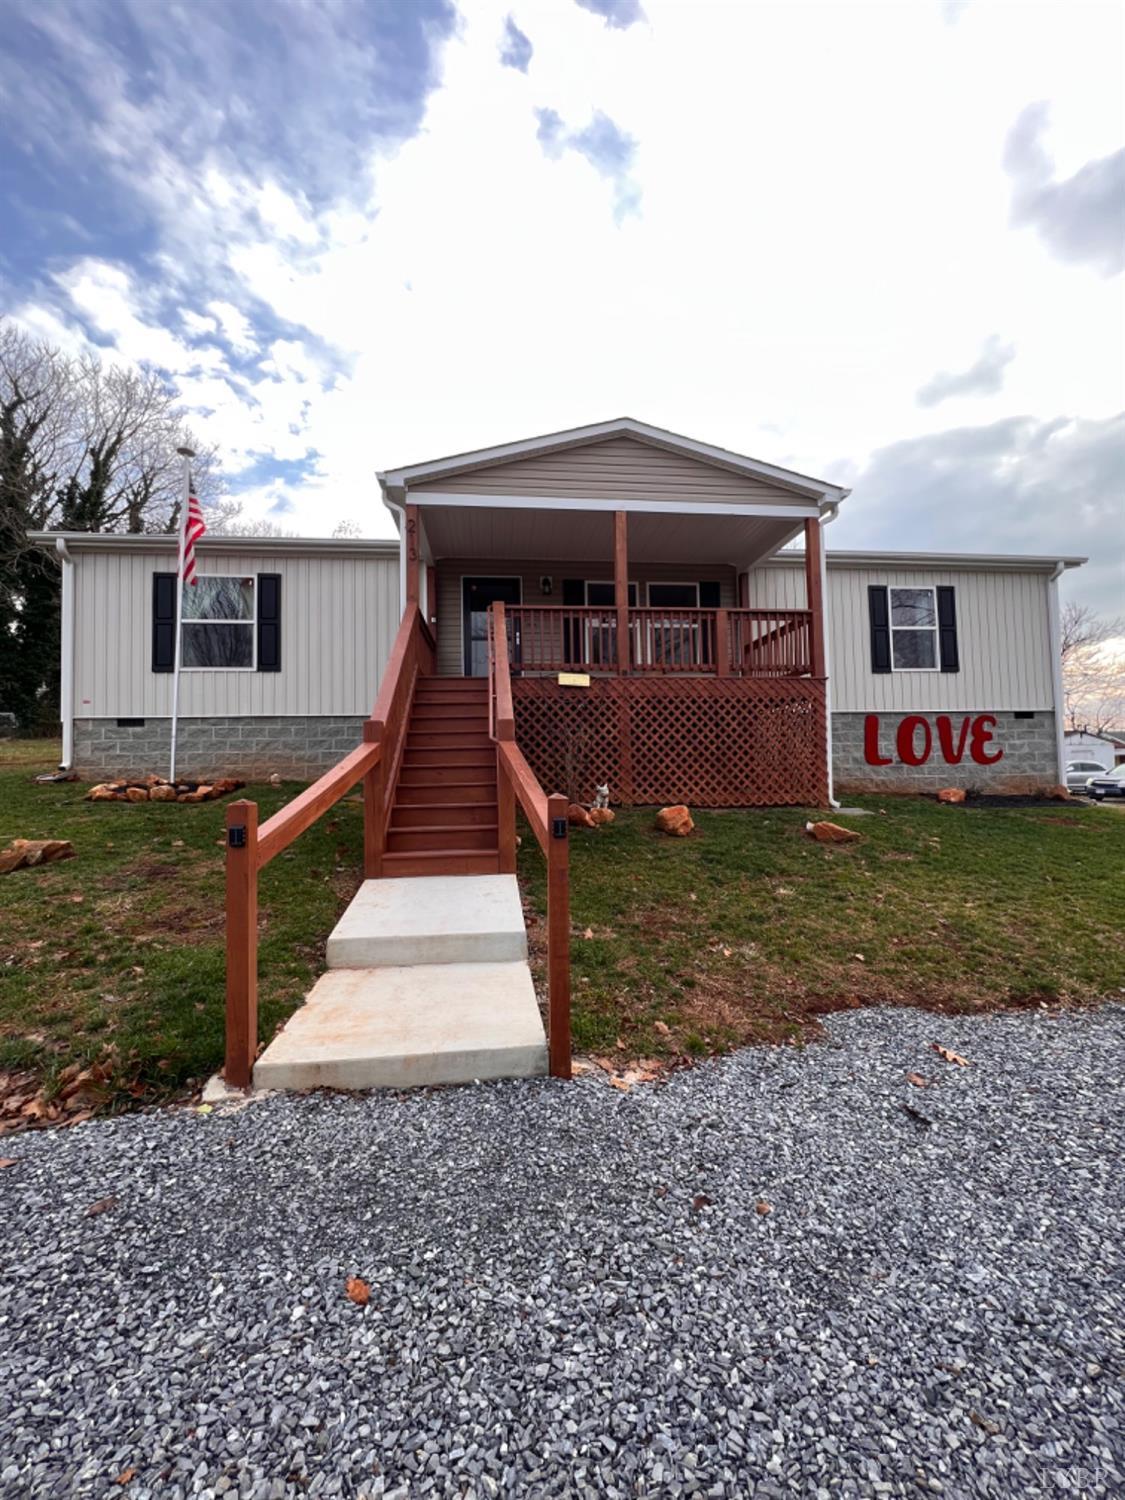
(546, 816)
(250, 848)
(715, 642)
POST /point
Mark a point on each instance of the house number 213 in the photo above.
(914, 740)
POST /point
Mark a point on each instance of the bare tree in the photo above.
(1093, 669)
(239, 525)
(84, 446)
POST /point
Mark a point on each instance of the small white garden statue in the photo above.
(601, 796)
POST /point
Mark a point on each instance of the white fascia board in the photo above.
(110, 541)
(624, 427)
(1000, 562)
(600, 503)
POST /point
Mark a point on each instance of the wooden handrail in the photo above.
(250, 848)
(290, 821)
(547, 817)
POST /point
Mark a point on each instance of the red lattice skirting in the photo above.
(710, 742)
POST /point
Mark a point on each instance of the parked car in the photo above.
(1078, 773)
(1107, 784)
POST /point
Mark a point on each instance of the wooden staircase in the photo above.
(444, 817)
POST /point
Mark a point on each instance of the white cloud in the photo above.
(806, 254)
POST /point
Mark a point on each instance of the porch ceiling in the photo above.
(587, 536)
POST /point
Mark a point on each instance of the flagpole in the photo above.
(187, 454)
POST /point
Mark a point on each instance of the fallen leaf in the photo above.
(916, 1114)
(358, 1291)
(726, 952)
(588, 934)
(620, 1083)
(917, 1080)
(7, 1161)
(36, 1109)
(763, 1208)
(950, 1057)
(699, 1202)
(204, 1109)
(78, 896)
(992, 1428)
(662, 1191)
(662, 1028)
(692, 896)
(103, 1205)
(126, 1476)
(859, 958)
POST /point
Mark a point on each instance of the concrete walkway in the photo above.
(427, 983)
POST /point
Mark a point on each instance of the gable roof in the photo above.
(395, 482)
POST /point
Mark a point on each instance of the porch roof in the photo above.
(396, 483)
(532, 534)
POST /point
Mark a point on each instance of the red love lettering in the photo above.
(904, 740)
(982, 737)
(950, 755)
(871, 742)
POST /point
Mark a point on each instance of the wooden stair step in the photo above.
(418, 788)
(453, 717)
(442, 814)
(448, 739)
(439, 836)
(441, 759)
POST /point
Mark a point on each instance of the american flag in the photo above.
(194, 528)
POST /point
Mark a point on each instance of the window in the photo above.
(673, 595)
(219, 617)
(914, 630)
(604, 594)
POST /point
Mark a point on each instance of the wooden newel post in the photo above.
(814, 596)
(242, 943)
(558, 936)
(373, 810)
(722, 643)
(621, 587)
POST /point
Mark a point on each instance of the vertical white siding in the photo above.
(1003, 634)
(339, 618)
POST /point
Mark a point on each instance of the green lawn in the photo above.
(746, 931)
(749, 929)
(118, 954)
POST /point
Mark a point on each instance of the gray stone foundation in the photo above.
(1027, 764)
(294, 747)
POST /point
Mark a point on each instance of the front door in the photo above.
(476, 595)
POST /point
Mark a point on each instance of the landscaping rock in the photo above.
(104, 792)
(831, 833)
(675, 821)
(27, 853)
(602, 815)
(952, 794)
(578, 817)
(136, 794)
(162, 793)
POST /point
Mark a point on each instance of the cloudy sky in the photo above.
(882, 243)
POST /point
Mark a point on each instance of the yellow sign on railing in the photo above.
(574, 679)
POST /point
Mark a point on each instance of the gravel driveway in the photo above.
(573, 1291)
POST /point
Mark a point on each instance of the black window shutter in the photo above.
(947, 629)
(879, 614)
(269, 622)
(709, 597)
(163, 622)
(574, 591)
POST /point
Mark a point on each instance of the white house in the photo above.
(717, 665)
(1104, 750)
